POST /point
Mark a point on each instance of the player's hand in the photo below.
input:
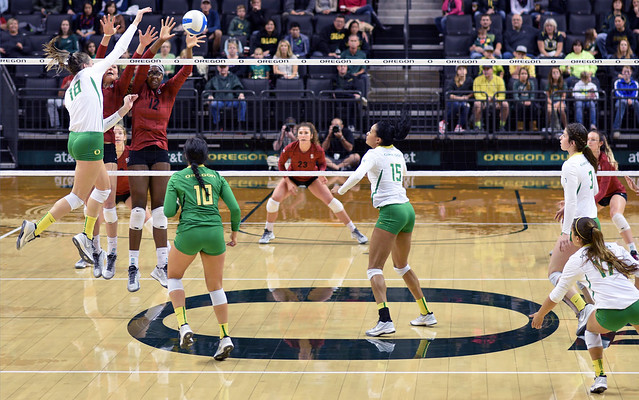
(147, 37)
(129, 99)
(291, 186)
(632, 185)
(233, 241)
(335, 189)
(564, 242)
(559, 215)
(537, 320)
(140, 14)
(193, 41)
(108, 25)
(165, 30)
(322, 179)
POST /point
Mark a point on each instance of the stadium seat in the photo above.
(322, 21)
(293, 88)
(145, 3)
(316, 85)
(175, 7)
(230, 6)
(559, 18)
(496, 25)
(579, 23)
(52, 24)
(154, 20)
(457, 46)
(305, 21)
(41, 83)
(271, 7)
(579, 7)
(30, 71)
(459, 25)
(601, 7)
(570, 39)
(19, 7)
(254, 85)
(31, 22)
(321, 71)
(37, 41)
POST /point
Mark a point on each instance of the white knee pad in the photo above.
(371, 272)
(402, 271)
(272, 205)
(110, 215)
(74, 201)
(160, 221)
(218, 297)
(620, 222)
(554, 278)
(100, 195)
(137, 218)
(592, 340)
(174, 284)
(336, 206)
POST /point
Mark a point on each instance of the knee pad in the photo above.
(74, 201)
(110, 215)
(336, 206)
(137, 218)
(371, 272)
(160, 221)
(218, 297)
(620, 222)
(174, 284)
(592, 339)
(402, 271)
(554, 278)
(100, 195)
(272, 205)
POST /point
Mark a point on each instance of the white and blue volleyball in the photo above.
(194, 22)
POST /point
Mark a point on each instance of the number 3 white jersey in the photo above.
(580, 187)
(386, 167)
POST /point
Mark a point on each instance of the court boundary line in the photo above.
(281, 279)
(123, 372)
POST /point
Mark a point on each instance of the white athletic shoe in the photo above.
(159, 273)
(359, 236)
(85, 247)
(80, 264)
(99, 263)
(109, 270)
(382, 345)
(224, 349)
(424, 320)
(26, 234)
(134, 279)
(583, 319)
(600, 385)
(267, 236)
(382, 328)
(186, 336)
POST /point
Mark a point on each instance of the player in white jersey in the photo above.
(386, 167)
(607, 268)
(579, 180)
(83, 100)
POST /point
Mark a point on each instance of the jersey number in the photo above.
(75, 90)
(153, 104)
(592, 183)
(302, 164)
(206, 198)
(396, 170)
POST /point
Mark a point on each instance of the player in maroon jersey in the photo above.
(149, 151)
(305, 154)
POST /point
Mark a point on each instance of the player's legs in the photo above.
(213, 274)
(558, 259)
(617, 208)
(322, 192)
(111, 216)
(160, 222)
(280, 193)
(380, 248)
(138, 187)
(178, 263)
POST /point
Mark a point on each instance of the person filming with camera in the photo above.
(338, 146)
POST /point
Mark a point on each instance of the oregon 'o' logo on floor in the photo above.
(148, 327)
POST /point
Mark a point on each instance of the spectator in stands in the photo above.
(297, 7)
(344, 81)
(233, 53)
(480, 43)
(90, 49)
(522, 6)
(449, 7)
(526, 108)
(550, 7)
(47, 7)
(300, 45)
(489, 7)
(86, 24)
(111, 9)
(616, 35)
(338, 146)
(333, 38)
(261, 71)
(54, 106)
(285, 71)
(607, 25)
(515, 69)
(626, 91)
(487, 23)
(353, 52)
(213, 27)
(623, 52)
(67, 40)
(14, 44)
(489, 91)
(359, 7)
(550, 41)
(266, 39)
(75, 7)
(590, 42)
(573, 72)
(498, 70)
(518, 35)
(239, 25)
(288, 134)
(353, 29)
(225, 81)
(633, 18)
(325, 6)
(586, 94)
(458, 91)
(256, 16)
(556, 100)
(166, 54)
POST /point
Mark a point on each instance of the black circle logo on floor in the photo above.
(148, 327)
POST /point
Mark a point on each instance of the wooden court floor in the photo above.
(300, 305)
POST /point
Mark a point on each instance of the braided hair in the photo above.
(196, 151)
(394, 130)
(597, 252)
(579, 134)
(63, 60)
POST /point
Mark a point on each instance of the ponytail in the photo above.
(395, 130)
(200, 181)
(196, 152)
(578, 133)
(63, 60)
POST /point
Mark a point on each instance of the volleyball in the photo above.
(194, 22)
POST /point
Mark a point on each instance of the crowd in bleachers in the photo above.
(570, 29)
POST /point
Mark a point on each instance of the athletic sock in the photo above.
(112, 244)
(180, 313)
(632, 246)
(96, 243)
(384, 312)
(44, 223)
(598, 364)
(89, 224)
(578, 301)
(162, 254)
(269, 226)
(423, 306)
(134, 255)
(224, 330)
(351, 226)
